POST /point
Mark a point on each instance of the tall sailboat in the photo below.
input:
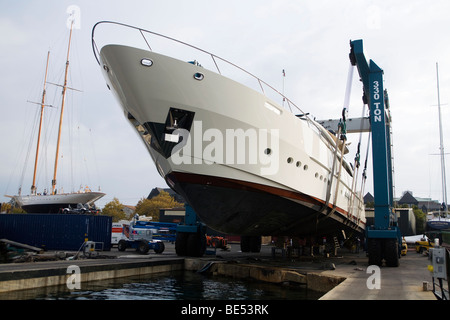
(54, 202)
(442, 221)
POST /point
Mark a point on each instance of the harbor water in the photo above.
(182, 285)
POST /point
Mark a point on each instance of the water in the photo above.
(170, 286)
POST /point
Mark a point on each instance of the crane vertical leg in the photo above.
(383, 237)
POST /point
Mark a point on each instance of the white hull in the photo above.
(55, 203)
(284, 190)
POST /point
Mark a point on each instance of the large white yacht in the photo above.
(245, 163)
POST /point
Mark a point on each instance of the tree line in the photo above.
(145, 207)
(115, 209)
(151, 207)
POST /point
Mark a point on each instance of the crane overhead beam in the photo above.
(354, 125)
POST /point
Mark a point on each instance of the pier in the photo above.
(346, 276)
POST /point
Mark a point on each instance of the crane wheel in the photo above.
(196, 245)
(375, 252)
(391, 253)
(251, 244)
(181, 243)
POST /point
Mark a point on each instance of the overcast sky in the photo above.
(309, 39)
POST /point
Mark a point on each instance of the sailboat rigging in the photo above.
(442, 222)
(33, 185)
(54, 202)
(441, 140)
(62, 112)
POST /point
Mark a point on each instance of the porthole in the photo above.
(105, 67)
(146, 62)
(316, 175)
(199, 76)
(267, 151)
(290, 160)
(298, 164)
(305, 167)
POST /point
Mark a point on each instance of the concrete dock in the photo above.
(405, 282)
(344, 277)
(23, 276)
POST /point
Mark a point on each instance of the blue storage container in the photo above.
(56, 231)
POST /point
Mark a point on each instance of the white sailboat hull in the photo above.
(280, 186)
(55, 203)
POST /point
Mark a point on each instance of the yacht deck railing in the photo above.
(214, 58)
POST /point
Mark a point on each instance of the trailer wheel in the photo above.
(159, 247)
(122, 245)
(143, 247)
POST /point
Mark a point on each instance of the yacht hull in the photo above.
(55, 203)
(242, 208)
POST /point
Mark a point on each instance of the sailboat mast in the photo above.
(33, 186)
(441, 138)
(62, 112)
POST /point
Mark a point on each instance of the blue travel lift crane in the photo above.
(383, 238)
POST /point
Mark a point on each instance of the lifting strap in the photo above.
(342, 134)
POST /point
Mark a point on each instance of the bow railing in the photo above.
(219, 64)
